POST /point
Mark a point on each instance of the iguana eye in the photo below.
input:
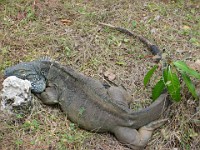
(21, 71)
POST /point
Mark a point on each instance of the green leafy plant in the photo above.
(171, 81)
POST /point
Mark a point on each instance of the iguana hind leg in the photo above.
(119, 95)
(49, 96)
(137, 139)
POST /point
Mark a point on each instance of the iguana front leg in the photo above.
(137, 139)
(49, 96)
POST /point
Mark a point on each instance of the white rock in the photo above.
(15, 93)
(156, 18)
(153, 31)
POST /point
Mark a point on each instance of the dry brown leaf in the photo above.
(186, 27)
(66, 21)
(110, 75)
(21, 15)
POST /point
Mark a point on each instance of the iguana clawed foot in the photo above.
(137, 139)
(155, 124)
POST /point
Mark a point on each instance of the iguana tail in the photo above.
(152, 47)
(155, 110)
(151, 113)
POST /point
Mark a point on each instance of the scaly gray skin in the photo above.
(90, 104)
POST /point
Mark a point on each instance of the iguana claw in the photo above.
(155, 124)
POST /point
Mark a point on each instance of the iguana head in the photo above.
(35, 72)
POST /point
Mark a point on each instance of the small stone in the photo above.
(198, 62)
(153, 31)
(144, 15)
(110, 75)
(145, 18)
(157, 18)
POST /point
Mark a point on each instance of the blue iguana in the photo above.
(89, 103)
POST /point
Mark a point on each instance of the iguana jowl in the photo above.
(89, 103)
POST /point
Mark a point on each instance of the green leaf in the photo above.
(183, 67)
(165, 72)
(189, 84)
(134, 23)
(149, 75)
(158, 89)
(174, 86)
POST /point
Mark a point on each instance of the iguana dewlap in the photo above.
(89, 103)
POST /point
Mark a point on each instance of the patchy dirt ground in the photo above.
(69, 32)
